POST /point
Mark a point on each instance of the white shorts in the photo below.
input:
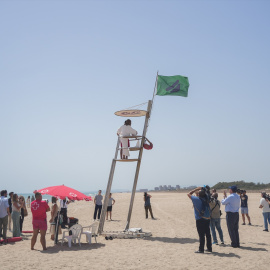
(244, 210)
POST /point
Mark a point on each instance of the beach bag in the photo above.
(25, 212)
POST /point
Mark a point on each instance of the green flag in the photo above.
(172, 86)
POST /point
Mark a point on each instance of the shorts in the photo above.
(244, 210)
(40, 225)
(109, 208)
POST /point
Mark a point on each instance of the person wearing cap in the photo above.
(232, 205)
(215, 219)
(265, 205)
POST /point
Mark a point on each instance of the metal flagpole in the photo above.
(138, 164)
(147, 117)
(155, 88)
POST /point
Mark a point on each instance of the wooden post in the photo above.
(108, 190)
(138, 164)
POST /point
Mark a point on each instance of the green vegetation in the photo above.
(242, 185)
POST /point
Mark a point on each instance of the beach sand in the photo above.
(172, 245)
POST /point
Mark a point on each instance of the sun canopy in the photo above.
(63, 192)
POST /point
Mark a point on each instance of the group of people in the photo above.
(13, 210)
(98, 206)
(207, 214)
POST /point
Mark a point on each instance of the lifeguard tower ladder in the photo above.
(142, 138)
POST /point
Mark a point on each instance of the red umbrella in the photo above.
(63, 191)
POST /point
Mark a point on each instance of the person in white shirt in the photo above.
(265, 205)
(64, 205)
(4, 213)
(125, 130)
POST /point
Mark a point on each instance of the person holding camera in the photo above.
(215, 219)
(147, 205)
(232, 205)
(244, 207)
(265, 205)
(202, 216)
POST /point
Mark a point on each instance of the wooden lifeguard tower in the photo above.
(142, 139)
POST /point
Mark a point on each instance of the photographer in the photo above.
(232, 205)
(202, 216)
(215, 219)
(244, 207)
(265, 205)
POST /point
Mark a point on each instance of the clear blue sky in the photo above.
(67, 66)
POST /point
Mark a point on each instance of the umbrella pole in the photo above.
(56, 228)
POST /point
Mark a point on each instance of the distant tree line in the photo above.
(242, 185)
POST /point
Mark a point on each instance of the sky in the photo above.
(67, 66)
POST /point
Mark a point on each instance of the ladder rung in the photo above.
(134, 148)
(132, 136)
(127, 160)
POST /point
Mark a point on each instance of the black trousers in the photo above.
(233, 225)
(97, 209)
(21, 222)
(148, 207)
(64, 213)
(203, 228)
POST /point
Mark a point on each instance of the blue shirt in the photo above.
(232, 203)
(198, 207)
(3, 206)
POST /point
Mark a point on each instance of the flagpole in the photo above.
(155, 88)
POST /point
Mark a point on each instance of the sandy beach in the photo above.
(172, 245)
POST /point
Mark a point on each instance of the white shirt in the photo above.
(62, 204)
(3, 207)
(265, 204)
(126, 131)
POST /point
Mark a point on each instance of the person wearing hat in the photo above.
(232, 205)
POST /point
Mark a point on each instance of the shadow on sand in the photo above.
(174, 240)
(219, 254)
(75, 247)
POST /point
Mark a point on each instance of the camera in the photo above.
(266, 196)
(208, 195)
(240, 191)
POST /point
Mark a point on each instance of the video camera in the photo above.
(208, 195)
(266, 196)
(240, 191)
